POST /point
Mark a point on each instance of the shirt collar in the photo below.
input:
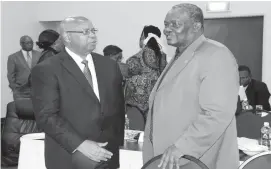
(76, 57)
(25, 52)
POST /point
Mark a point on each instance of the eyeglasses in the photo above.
(28, 43)
(86, 31)
(173, 25)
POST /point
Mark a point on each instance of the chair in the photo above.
(259, 161)
(249, 124)
(19, 121)
(136, 118)
(153, 163)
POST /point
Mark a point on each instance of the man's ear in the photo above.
(66, 37)
(197, 26)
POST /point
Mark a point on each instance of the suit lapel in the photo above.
(176, 68)
(183, 60)
(71, 66)
(158, 82)
(101, 80)
(22, 59)
(172, 71)
(250, 93)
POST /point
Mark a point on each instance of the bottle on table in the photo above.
(127, 124)
(245, 104)
(265, 135)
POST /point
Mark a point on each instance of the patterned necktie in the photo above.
(28, 60)
(171, 64)
(87, 73)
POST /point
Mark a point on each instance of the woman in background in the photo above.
(51, 44)
(144, 69)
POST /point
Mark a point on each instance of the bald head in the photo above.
(193, 12)
(26, 43)
(183, 25)
(72, 22)
(78, 34)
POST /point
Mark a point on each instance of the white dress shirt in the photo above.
(91, 66)
(25, 54)
(242, 93)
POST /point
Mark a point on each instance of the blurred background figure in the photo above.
(50, 42)
(115, 53)
(144, 69)
(19, 66)
(255, 92)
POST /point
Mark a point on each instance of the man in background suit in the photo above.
(79, 103)
(193, 104)
(256, 92)
(19, 67)
(115, 53)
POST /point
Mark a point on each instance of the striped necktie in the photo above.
(28, 59)
(87, 73)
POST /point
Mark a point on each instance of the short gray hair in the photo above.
(193, 12)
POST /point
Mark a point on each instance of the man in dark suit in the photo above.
(78, 102)
(256, 92)
(19, 66)
(115, 53)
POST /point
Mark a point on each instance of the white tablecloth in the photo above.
(32, 154)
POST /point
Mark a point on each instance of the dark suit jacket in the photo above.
(18, 69)
(68, 111)
(44, 55)
(47, 54)
(258, 94)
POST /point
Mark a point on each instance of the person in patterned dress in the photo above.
(144, 68)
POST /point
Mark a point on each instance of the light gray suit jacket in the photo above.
(18, 69)
(194, 107)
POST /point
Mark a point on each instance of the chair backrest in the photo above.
(152, 163)
(259, 161)
(24, 108)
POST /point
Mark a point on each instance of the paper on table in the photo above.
(263, 114)
(247, 144)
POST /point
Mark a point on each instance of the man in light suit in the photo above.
(193, 104)
(19, 67)
(78, 102)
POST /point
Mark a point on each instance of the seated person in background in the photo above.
(19, 66)
(256, 92)
(115, 53)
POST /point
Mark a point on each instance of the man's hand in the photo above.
(171, 156)
(95, 151)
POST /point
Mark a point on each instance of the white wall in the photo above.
(18, 19)
(119, 23)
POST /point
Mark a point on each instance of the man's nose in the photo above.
(92, 36)
(166, 31)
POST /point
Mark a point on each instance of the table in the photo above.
(131, 150)
(32, 153)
